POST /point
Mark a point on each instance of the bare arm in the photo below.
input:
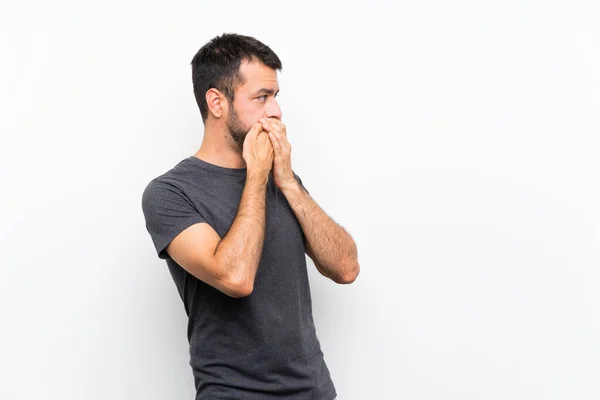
(230, 264)
(330, 247)
(227, 264)
(240, 250)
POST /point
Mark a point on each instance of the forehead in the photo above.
(258, 76)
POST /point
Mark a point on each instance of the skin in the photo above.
(228, 124)
(255, 112)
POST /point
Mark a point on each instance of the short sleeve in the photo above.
(300, 182)
(167, 212)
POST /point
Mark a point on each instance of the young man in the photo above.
(233, 222)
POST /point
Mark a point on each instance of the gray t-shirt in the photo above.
(263, 346)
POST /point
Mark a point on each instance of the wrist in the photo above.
(292, 186)
(258, 174)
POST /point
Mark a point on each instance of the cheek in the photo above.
(251, 112)
(256, 114)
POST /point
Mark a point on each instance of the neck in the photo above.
(219, 148)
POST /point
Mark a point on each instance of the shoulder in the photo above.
(159, 187)
(169, 185)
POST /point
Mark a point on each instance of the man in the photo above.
(233, 223)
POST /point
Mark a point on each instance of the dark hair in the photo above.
(217, 63)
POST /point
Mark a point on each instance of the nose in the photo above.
(273, 110)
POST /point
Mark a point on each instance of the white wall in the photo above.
(457, 142)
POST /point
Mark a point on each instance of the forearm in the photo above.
(241, 248)
(333, 249)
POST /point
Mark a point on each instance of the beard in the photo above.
(237, 129)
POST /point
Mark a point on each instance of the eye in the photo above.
(263, 97)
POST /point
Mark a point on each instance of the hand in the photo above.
(258, 150)
(282, 163)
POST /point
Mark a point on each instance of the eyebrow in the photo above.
(266, 91)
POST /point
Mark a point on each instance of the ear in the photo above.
(217, 102)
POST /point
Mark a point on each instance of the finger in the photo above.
(275, 142)
(265, 124)
(270, 123)
(255, 130)
(278, 124)
(271, 127)
(278, 128)
(282, 140)
(263, 138)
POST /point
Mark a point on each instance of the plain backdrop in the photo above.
(457, 142)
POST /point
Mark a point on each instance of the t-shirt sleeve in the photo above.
(300, 182)
(167, 212)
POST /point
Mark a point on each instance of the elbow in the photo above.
(239, 287)
(241, 293)
(233, 281)
(350, 275)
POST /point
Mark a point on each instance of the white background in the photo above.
(457, 142)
